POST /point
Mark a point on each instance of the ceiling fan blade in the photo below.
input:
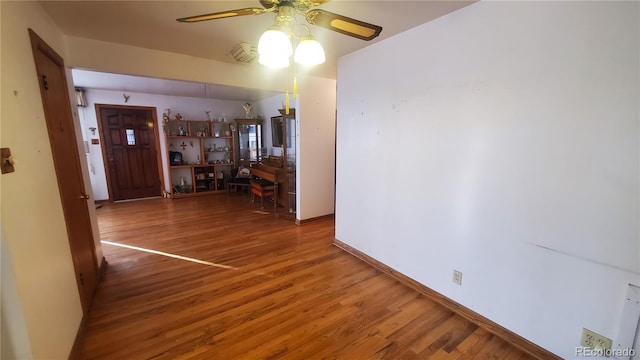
(344, 25)
(222, 15)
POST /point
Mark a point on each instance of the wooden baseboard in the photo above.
(302, 222)
(508, 335)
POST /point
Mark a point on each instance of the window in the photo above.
(131, 137)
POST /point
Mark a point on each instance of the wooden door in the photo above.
(62, 136)
(129, 143)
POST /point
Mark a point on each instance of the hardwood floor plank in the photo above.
(262, 288)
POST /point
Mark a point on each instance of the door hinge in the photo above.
(45, 83)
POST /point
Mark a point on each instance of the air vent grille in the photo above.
(244, 53)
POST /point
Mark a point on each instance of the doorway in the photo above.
(130, 148)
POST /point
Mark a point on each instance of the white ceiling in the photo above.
(152, 24)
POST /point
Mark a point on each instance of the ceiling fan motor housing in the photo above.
(286, 15)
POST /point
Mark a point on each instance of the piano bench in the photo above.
(262, 188)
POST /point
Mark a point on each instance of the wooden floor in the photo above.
(260, 288)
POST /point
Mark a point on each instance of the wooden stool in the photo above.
(264, 188)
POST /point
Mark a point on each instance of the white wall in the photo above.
(315, 138)
(191, 108)
(316, 125)
(14, 340)
(270, 108)
(40, 285)
(123, 59)
(502, 141)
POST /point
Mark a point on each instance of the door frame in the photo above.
(156, 133)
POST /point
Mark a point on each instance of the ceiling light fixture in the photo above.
(309, 52)
(275, 46)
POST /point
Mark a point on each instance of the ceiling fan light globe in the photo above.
(274, 62)
(309, 52)
(274, 43)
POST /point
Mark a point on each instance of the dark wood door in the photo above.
(131, 155)
(64, 146)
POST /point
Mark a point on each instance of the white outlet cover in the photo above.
(457, 277)
(594, 340)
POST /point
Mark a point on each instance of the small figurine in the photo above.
(178, 117)
(208, 112)
(166, 115)
(247, 110)
(181, 131)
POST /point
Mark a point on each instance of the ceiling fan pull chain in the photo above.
(286, 103)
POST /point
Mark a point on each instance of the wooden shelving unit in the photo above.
(200, 156)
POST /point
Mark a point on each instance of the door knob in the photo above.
(84, 196)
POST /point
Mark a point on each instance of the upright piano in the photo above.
(271, 170)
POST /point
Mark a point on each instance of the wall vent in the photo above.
(244, 53)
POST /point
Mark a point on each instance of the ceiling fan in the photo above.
(287, 10)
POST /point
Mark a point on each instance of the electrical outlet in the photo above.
(594, 340)
(457, 277)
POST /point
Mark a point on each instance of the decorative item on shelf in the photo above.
(208, 112)
(184, 146)
(178, 117)
(247, 110)
(232, 127)
(175, 158)
(166, 115)
(227, 133)
(220, 175)
(181, 131)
